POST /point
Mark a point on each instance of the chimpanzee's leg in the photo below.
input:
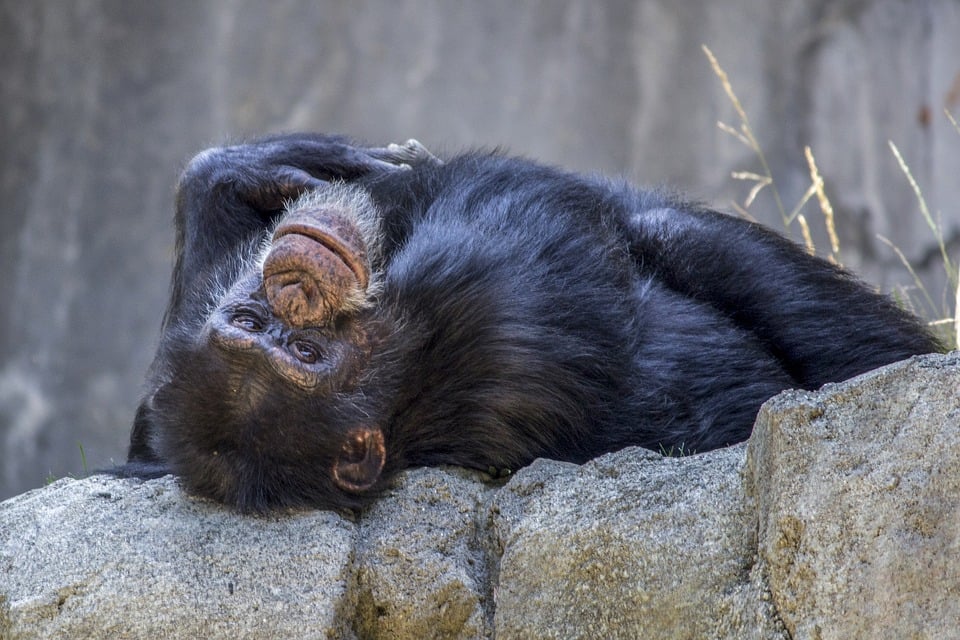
(821, 322)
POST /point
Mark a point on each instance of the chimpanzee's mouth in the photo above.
(327, 236)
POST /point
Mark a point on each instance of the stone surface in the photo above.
(100, 558)
(631, 545)
(421, 570)
(859, 503)
(839, 519)
(103, 103)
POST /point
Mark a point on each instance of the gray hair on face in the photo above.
(354, 204)
(351, 202)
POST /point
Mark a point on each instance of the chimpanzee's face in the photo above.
(260, 406)
(318, 359)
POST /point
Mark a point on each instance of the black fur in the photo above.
(523, 312)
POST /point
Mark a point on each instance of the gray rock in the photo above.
(421, 572)
(859, 503)
(839, 519)
(631, 545)
(101, 557)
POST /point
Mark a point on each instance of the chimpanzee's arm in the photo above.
(227, 196)
(821, 322)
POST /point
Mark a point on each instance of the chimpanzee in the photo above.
(340, 313)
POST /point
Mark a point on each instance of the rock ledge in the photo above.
(840, 518)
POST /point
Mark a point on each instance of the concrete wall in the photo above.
(103, 102)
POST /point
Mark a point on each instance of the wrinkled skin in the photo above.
(481, 311)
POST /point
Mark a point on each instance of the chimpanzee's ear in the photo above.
(360, 460)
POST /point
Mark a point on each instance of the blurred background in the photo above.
(103, 101)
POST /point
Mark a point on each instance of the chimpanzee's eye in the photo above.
(247, 321)
(304, 351)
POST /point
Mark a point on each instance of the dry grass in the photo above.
(744, 134)
(948, 320)
(944, 320)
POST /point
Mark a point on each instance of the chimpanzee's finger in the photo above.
(408, 153)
